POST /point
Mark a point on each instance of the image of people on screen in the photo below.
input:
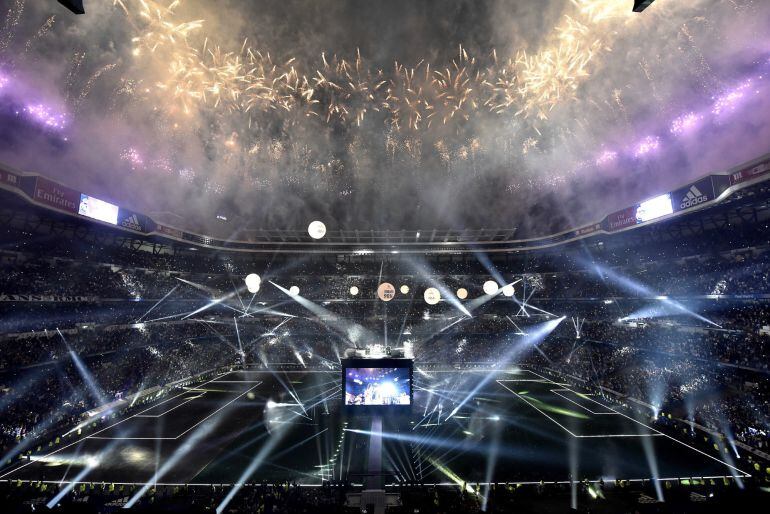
(377, 386)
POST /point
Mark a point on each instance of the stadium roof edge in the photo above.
(690, 197)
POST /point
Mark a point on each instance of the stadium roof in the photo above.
(703, 193)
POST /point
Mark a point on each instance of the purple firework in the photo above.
(685, 123)
(46, 116)
(646, 145)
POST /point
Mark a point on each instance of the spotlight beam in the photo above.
(240, 345)
(199, 433)
(353, 331)
(481, 300)
(423, 270)
(255, 463)
(69, 487)
(637, 288)
(88, 379)
(533, 338)
(157, 303)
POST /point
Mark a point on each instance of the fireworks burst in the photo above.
(46, 116)
(340, 90)
(685, 123)
(42, 31)
(12, 18)
(646, 145)
(248, 107)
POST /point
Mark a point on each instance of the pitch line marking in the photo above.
(537, 409)
(661, 433)
(169, 410)
(183, 433)
(556, 392)
(579, 436)
(107, 428)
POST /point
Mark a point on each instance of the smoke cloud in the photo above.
(540, 166)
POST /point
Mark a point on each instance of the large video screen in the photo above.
(378, 386)
(654, 208)
(98, 209)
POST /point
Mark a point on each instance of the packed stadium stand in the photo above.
(334, 256)
(666, 323)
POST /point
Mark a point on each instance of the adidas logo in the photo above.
(132, 222)
(692, 198)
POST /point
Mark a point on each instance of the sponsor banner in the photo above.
(590, 229)
(693, 195)
(749, 173)
(204, 240)
(55, 195)
(173, 232)
(622, 219)
(45, 298)
(10, 178)
(133, 220)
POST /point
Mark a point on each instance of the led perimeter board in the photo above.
(377, 385)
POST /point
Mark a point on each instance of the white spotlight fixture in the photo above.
(405, 289)
(252, 282)
(353, 290)
(316, 229)
(294, 290)
(490, 287)
(508, 290)
(462, 293)
(432, 296)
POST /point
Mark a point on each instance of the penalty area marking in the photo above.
(169, 410)
(579, 436)
(658, 432)
(107, 428)
(556, 392)
(186, 431)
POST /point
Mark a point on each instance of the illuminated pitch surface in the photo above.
(223, 422)
(536, 427)
(212, 431)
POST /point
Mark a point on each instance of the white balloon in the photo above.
(508, 290)
(490, 287)
(353, 290)
(316, 229)
(432, 296)
(386, 292)
(252, 282)
(462, 293)
(294, 290)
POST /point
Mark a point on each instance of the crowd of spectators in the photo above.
(83, 304)
(701, 496)
(44, 388)
(714, 378)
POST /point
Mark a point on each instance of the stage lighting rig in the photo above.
(641, 5)
(75, 6)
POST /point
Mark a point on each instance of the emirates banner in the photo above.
(56, 195)
(622, 219)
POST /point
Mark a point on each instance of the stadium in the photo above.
(399, 257)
